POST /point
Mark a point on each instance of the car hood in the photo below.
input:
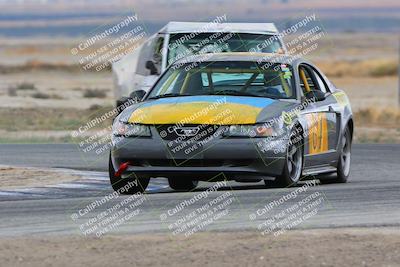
(214, 109)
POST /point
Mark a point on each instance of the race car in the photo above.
(234, 116)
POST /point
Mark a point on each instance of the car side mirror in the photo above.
(123, 103)
(137, 95)
(152, 67)
(316, 95)
(134, 97)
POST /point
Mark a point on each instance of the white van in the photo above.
(141, 68)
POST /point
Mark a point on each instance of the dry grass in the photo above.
(50, 119)
(20, 177)
(377, 125)
(362, 68)
(30, 89)
(388, 118)
(35, 65)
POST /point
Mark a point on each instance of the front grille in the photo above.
(187, 132)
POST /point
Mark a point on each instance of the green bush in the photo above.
(26, 86)
(382, 70)
(94, 93)
(41, 95)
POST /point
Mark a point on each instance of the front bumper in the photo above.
(236, 158)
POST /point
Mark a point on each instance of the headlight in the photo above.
(130, 130)
(258, 130)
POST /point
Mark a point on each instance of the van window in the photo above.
(157, 52)
(150, 50)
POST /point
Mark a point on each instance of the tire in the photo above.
(344, 162)
(293, 166)
(179, 184)
(127, 186)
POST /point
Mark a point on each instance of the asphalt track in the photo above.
(371, 198)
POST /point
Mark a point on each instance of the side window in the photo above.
(150, 50)
(204, 79)
(157, 52)
(142, 58)
(321, 85)
(306, 82)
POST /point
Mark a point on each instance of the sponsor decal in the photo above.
(341, 98)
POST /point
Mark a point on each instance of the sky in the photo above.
(70, 17)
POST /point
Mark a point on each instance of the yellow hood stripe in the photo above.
(196, 113)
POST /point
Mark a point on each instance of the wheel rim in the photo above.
(294, 161)
(345, 154)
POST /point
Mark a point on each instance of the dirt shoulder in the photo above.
(337, 247)
(18, 177)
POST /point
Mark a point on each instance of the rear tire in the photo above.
(127, 186)
(343, 167)
(179, 184)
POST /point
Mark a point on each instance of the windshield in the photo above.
(182, 45)
(227, 78)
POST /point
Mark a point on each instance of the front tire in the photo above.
(179, 184)
(293, 164)
(127, 186)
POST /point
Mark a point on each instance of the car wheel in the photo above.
(179, 184)
(129, 185)
(343, 167)
(293, 164)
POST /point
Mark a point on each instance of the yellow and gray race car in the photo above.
(234, 116)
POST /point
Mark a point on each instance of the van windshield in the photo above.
(182, 45)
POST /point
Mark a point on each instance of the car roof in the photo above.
(241, 56)
(184, 27)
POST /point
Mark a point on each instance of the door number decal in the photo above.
(317, 133)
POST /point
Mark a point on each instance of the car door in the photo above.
(321, 121)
